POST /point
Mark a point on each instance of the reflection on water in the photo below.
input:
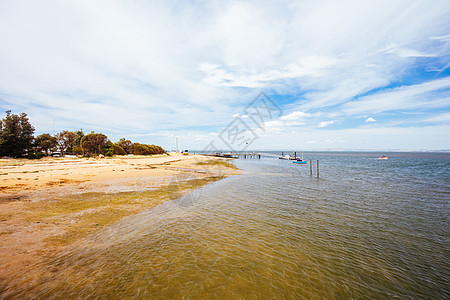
(367, 229)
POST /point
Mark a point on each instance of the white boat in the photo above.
(289, 157)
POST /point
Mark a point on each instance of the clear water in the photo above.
(367, 229)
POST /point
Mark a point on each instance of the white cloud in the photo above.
(313, 66)
(370, 119)
(326, 123)
(296, 115)
(273, 126)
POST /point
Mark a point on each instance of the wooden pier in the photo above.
(249, 155)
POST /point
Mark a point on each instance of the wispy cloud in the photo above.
(428, 94)
(441, 118)
(326, 123)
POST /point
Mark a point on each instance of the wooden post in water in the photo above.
(317, 168)
(310, 167)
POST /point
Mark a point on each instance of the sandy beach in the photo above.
(51, 203)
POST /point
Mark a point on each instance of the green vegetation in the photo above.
(142, 149)
(126, 145)
(16, 135)
(94, 143)
(222, 163)
(82, 214)
(45, 142)
(17, 140)
(66, 140)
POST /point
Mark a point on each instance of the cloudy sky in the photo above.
(344, 74)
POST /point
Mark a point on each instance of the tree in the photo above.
(66, 140)
(127, 145)
(94, 143)
(16, 135)
(76, 149)
(45, 142)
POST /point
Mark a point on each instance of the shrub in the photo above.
(143, 149)
(117, 150)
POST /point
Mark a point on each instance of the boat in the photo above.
(285, 157)
(300, 160)
(383, 157)
(289, 157)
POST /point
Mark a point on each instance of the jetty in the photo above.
(243, 155)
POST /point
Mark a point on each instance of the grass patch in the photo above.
(222, 163)
(11, 163)
(6, 232)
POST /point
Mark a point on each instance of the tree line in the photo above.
(17, 140)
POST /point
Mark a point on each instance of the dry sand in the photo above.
(27, 179)
(47, 204)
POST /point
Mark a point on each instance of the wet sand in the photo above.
(48, 204)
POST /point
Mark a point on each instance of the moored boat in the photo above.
(300, 161)
(289, 157)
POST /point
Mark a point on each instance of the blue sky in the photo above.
(346, 74)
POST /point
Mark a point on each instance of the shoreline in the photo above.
(50, 204)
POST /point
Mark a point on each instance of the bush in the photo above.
(109, 149)
(143, 149)
(117, 150)
(35, 155)
(77, 150)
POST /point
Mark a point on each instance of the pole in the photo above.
(317, 168)
(310, 167)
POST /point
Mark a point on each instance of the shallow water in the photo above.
(367, 228)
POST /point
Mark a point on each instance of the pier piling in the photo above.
(310, 167)
(317, 168)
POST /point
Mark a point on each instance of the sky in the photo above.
(337, 75)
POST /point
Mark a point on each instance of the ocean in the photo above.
(366, 229)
